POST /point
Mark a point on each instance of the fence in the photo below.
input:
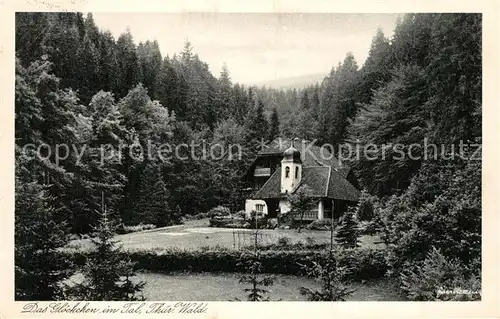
(242, 239)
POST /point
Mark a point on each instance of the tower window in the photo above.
(287, 172)
(296, 172)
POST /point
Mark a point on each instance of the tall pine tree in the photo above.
(274, 128)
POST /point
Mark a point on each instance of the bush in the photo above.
(260, 223)
(197, 216)
(294, 246)
(324, 224)
(284, 241)
(272, 223)
(366, 263)
(219, 211)
(367, 228)
(310, 241)
(441, 278)
(365, 210)
(227, 222)
(435, 211)
(122, 229)
(241, 214)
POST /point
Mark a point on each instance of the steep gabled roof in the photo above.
(271, 188)
(311, 155)
(324, 181)
(341, 188)
(316, 178)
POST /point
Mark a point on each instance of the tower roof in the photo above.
(292, 153)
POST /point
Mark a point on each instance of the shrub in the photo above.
(366, 263)
(219, 211)
(241, 214)
(122, 229)
(272, 223)
(260, 223)
(310, 241)
(441, 278)
(367, 204)
(197, 216)
(441, 208)
(285, 220)
(227, 222)
(294, 246)
(284, 241)
(368, 228)
(324, 224)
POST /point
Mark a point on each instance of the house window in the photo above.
(259, 208)
(287, 172)
(296, 172)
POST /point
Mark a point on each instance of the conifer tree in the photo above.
(274, 129)
(150, 62)
(39, 232)
(31, 30)
(107, 273)
(89, 69)
(332, 276)
(376, 69)
(128, 71)
(348, 233)
(253, 266)
(107, 67)
(257, 128)
(153, 199)
(304, 101)
(226, 97)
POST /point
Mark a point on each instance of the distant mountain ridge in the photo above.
(297, 82)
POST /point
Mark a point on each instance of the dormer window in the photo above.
(296, 172)
(287, 172)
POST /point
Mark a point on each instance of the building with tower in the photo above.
(285, 166)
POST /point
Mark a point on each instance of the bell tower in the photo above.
(291, 170)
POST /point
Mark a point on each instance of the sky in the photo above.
(257, 47)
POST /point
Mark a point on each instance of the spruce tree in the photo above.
(304, 101)
(376, 69)
(274, 129)
(253, 267)
(128, 71)
(332, 276)
(257, 128)
(39, 232)
(88, 77)
(150, 61)
(348, 233)
(153, 199)
(107, 271)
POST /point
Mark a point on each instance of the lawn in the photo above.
(225, 287)
(196, 235)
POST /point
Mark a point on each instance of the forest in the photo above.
(75, 84)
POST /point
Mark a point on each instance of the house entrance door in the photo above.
(272, 208)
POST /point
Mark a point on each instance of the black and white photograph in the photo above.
(212, 156)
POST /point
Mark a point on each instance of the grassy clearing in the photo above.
(196, 235)
(225, 287)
